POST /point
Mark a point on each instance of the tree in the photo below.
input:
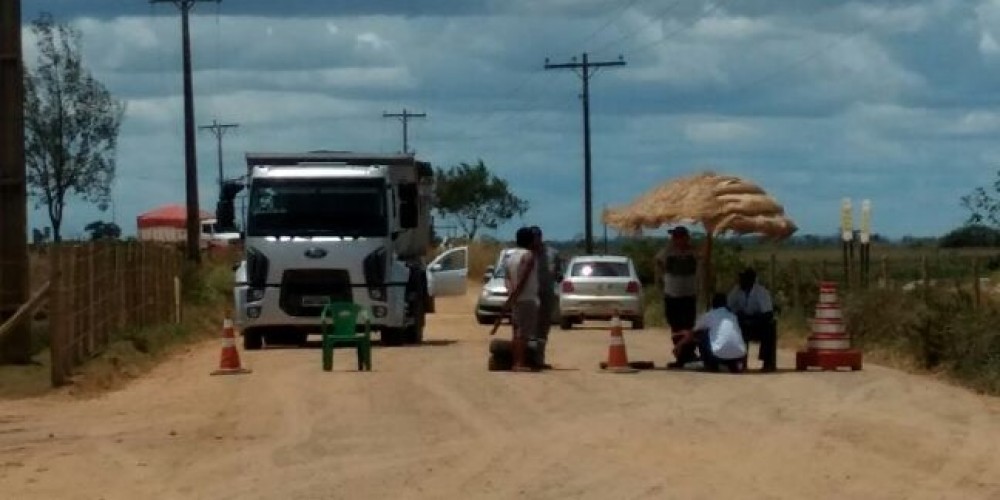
(970, 236)
(71, 124)
(475, 198)
(100, 230)
(983, 207)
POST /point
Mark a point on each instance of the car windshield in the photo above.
(600, 269)
(317, 207)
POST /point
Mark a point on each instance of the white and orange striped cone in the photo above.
(617, 354)
(229, 363)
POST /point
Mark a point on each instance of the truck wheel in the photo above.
(414, 334)
(638, 323)
(484, 320)
(392, 336)
(252, 340)
(566, 323)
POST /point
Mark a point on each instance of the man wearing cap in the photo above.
(752, 304)
(676, 265)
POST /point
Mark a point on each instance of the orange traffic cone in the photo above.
(229, 364)
(617, 356)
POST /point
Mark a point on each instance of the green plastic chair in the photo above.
(339, 322)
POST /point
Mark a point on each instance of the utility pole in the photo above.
(190, 155)
(405, 118)
(219, 130)
(16, 348)
(586, 70)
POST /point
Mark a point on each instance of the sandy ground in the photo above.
(431, 422)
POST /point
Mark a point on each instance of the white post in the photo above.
(177, 300)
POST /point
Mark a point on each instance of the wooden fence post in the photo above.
(57, 317)
(884, 265)
(796, 285)
(772, 273)
(924, 275)
(976, 289)
(91, 300)
(822, 270)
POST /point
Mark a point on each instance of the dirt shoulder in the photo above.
(431, 422)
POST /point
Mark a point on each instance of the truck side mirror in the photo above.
(409, 213)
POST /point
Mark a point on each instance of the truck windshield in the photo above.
(317, 207)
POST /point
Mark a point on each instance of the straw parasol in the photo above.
(721, 203)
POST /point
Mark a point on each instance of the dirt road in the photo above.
(431, 422)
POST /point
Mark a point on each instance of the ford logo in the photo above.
(315, 253)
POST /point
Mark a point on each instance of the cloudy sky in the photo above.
(816, 100)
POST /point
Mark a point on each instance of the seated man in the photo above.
(752, 304)
(717, 335)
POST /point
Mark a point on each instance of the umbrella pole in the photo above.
(708, 284)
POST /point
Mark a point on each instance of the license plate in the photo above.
(315, 300)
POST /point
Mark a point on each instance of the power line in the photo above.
(653, 20)
(405, 118)
(586, 69)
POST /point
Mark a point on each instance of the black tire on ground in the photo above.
(392, 336)
(484, 320)
(414, 334)
(638, 324)
(495, 365)
(566, 323)
(252, 340)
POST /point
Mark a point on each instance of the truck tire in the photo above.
(484, 320)
(566, 323)
(392, 336)
(253, 340)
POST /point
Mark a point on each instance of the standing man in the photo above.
(677, 265)
(521, 278)
(546, 296)
(752, 304)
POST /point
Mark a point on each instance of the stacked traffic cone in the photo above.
(229, 363)
(829, 346)
(617, 356)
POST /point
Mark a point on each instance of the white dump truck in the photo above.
(336, 226)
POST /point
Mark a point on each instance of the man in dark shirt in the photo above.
(546, 296)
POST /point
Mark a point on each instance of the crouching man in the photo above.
(718, 338)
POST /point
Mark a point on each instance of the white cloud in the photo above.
(711, 132)
(881, 110)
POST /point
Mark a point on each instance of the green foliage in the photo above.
(475, 199)
(100, 230)
(938, 329)
(971, 236)
(71, 124)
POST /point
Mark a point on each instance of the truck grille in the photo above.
(300, 289)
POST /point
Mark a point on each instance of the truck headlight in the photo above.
(379, 311)
(255, 294)
(377, 294)
(253, 312)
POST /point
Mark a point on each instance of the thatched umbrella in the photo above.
(721, 203)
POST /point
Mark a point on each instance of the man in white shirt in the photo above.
(752, 304)
(521, 278)
(718, 337)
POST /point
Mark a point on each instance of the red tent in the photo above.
(168, 216)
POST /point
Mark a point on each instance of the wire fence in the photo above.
(98, 289)
(794, 281)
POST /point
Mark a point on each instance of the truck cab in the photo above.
(346, 227)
